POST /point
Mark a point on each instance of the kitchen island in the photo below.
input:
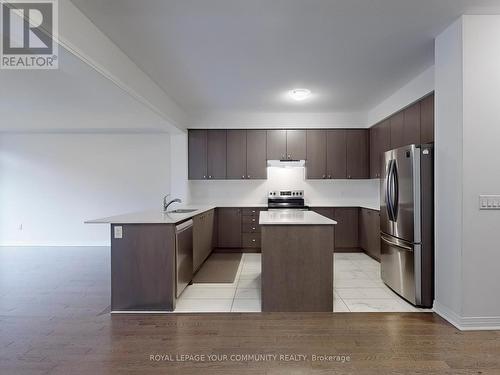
(297, 261)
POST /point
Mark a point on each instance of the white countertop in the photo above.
(154, 217)
(363, 204)
(293, 217)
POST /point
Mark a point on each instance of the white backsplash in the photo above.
(317, 192)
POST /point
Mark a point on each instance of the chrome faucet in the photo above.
(166, 204)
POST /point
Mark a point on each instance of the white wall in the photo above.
(481, 137)
(467, 136)
(448, 169)
(415, 89)
(52, 183)
(327, 192)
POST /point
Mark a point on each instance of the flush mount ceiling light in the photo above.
(300, 94)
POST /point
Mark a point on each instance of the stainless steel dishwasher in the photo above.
(183, 255)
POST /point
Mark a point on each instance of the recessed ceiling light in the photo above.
(300, 94)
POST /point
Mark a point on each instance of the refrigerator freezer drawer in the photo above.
(399, 269)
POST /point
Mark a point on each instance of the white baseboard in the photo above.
(468, 323)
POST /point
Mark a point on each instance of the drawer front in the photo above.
(250, 228)
(248, 211)
(250, 219)
(250, 240)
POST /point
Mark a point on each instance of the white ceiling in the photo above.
(73, 98)
(241, 55)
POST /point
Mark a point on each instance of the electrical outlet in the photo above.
(118, 232)
(489, 202)
(20, 227)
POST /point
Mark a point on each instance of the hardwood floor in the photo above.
(54, 320)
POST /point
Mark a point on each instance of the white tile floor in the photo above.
(357, 288)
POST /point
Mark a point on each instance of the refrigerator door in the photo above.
(400, 193)
(400, 267)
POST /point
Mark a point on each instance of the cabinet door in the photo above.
(411, 128)
(229, 227)
(346, 230)
(216, 146)
(397, 130)
(197, 154)
(296, 144)
(384, 138)
(364, 229)
(256, 154)
(236, 154)
(316, 154)
(374, 234)
(375, 151)
(358, 150)
(336, 165)
(198, 241)
(427, 119)
(276, 144)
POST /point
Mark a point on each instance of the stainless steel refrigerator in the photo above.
(407, 222)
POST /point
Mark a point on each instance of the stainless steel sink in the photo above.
(182, 211)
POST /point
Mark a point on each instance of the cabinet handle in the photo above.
(248, 176)
(242, 176)
(204, 176)
(253, 219)
(209, 176)
(289, 157)
(329, 176)
(349, 177)
(253, 239)
(253, 228)
(324, 176)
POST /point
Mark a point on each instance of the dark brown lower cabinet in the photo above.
(229, 227)
(346, 230)
(203, 228)
(369, 232)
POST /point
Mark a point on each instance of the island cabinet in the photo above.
(203, 233)
(207, 154)
(369, 232)
(246, 154)
(229, 227)
(286, 144)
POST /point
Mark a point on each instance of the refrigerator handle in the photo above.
(395, 198)
(388, 191)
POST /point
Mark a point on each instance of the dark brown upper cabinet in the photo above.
(216, 154)
(397, 131)
(380, 142)
(411, 127)
(296, 144)
(236, 154)
(316, 154)
(197, 154)
(256, 154)
(276, 144)
(427, 119)
(336, 154)
(286, 144)
(358, 150)
(246, 154)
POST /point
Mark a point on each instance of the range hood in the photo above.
(286, 163)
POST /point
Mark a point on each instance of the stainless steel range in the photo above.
(286, 200)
